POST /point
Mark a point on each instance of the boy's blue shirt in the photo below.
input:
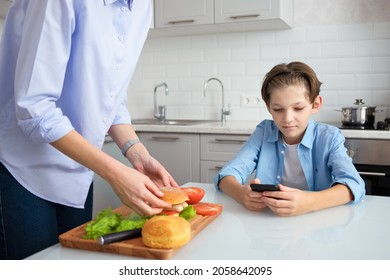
(322, 155)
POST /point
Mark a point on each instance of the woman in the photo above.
(64, 69)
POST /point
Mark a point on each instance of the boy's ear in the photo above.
(317, 104)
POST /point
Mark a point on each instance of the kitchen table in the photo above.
(349, 232)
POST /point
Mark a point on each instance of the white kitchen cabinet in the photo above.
(183, 17)
(209, 169)
(253, 15)
(103, 195)
(179, 153)
(170, 13)
(216, 151)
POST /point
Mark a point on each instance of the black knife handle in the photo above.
(119, 236)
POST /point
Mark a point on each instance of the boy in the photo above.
(306, 159)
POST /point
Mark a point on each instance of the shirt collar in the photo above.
(129, 2)
(108, 2)
(307, 139)
(274, 135)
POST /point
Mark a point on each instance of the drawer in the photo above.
(221, 147)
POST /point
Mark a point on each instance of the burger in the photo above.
(171, 228)
(166, 232)
(177, 198)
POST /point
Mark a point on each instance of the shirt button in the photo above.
(104, 120)
(282, 152)
(278, 177)
(123, 8)
(121, 38)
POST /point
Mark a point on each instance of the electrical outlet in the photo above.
(250, 100)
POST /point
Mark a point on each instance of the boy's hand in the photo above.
(288, 201)
(251, 199)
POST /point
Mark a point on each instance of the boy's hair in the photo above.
(294, 73)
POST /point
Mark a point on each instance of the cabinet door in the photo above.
(103, 195)
(221, 147)
(178, 153)
(210, 169)
(232, 10)
(169, 13)
(254, 15)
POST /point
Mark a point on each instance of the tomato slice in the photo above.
(207, 209)
(170, 212)
(195, 194)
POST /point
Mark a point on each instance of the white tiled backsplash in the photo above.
(346, 42)
(352, 61)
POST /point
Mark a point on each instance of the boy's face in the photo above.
(291, 110)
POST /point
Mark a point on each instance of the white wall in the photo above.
(347, 42)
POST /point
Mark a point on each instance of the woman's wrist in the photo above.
(128, 145)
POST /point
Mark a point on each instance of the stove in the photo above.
(371, 158)
(380, 125)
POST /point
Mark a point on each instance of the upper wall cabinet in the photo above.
(173, 13)
(253, 14)
(186, 17)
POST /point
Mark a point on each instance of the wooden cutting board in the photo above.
(133, 247)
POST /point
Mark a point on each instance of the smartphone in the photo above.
(264, 187)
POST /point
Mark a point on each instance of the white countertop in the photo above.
(231, 127)
(246, 128)
(352, 232)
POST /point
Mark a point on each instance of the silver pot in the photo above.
(358, 115)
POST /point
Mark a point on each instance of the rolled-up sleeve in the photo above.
(39, 77)
(245, 162)
(343, 170)
(122, 115)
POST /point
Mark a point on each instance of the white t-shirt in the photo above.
(293, 175)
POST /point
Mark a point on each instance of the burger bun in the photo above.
(174, 195)
(166, 232)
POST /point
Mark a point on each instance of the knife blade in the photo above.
(119, 236)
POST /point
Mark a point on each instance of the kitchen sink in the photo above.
(170, 122)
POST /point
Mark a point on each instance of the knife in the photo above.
(119, 236)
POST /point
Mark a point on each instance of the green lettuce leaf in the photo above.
(106, 221)
(130, 224)
(188, 213)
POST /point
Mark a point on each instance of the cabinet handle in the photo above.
(181, 21)
(219, 167)
(164, 138)
(245, 16)
(233, 141)
(379, 174)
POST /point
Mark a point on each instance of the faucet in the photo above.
(159, 111)
(224, 111)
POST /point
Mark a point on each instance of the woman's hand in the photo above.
(137, 191)
(155, 171)
(288, 201)
(133, 188)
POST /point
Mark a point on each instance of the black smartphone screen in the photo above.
(264, 187)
